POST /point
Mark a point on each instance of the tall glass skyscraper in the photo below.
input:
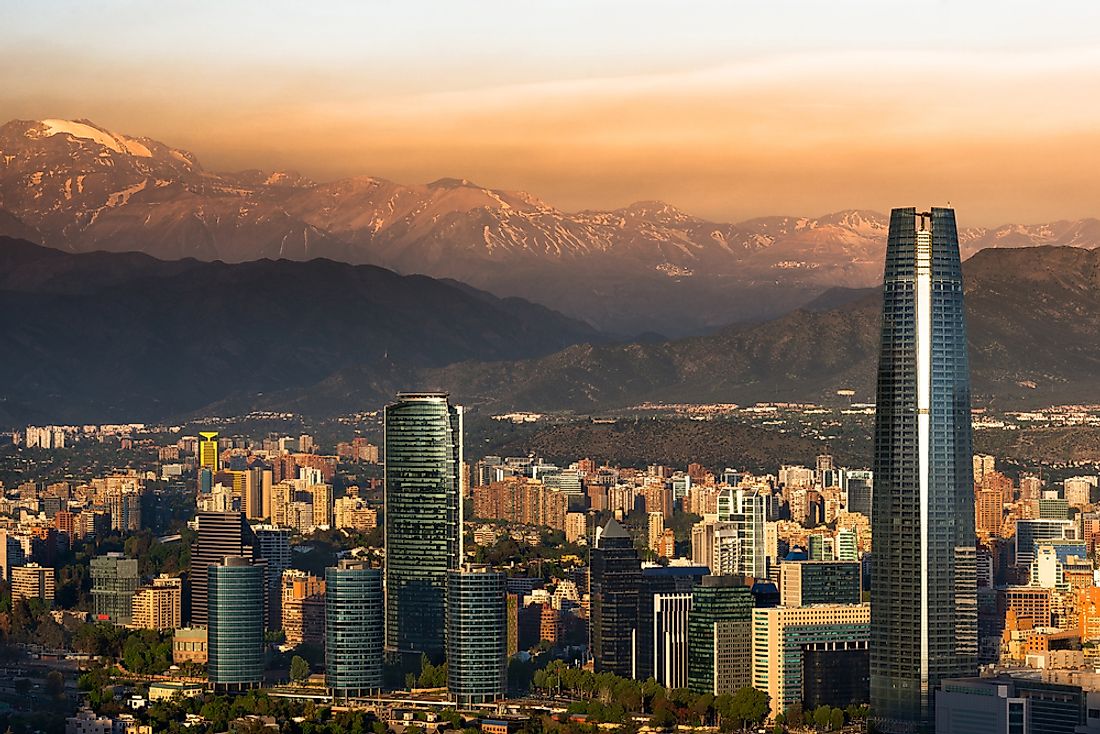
(423, 529)
(923, 584)
(477, 635)
(615, 579)
(236, 624)
(353, 629)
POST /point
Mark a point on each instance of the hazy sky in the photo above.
(727, 109)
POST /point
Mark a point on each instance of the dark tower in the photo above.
(616, 574)
(923, 584)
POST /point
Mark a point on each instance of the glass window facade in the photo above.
(353, 629)
(423, 525)
(236, 624)
(923, 590)
(615, 581)
(477, 635)
(719, 635)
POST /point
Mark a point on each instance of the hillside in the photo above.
(126, 337)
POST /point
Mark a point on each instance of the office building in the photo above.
(114, 582)
(802, 583)
(720, 635)
(423, 518)
(614, 588)
(1008, 705)
(208, 451)
(219, 534)
(354, 629)
(924, 596)
(160, 606)
(477, 634)
(1031, 532)
(834, 636)
(272, 544)
(664, 599)
(235, 645)
(32, 581)
(860, 486)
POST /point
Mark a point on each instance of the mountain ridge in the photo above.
(649, 266)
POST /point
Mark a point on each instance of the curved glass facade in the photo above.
(236, 626)
(423, 525)
(923, 590)
(353, 629)
(477, 635)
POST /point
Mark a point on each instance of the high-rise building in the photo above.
(33, 581)
(115, 579)
(477, 635)
(272, 545)
(235, 643)
(423, 517)
(924, 587)
(664, 599)
(219, 534)
(159, 607)
(816, 653)
(303, 608)
(720, 635)
(615, 581)
(745, 511)
(208, 451)
(988, 512)
(802, 583)
(860, 487)
(354, 629)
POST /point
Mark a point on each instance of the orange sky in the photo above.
(727, 110)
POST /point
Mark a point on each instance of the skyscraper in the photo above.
(477, 635)
(353, 629)
(720, 635)
(924, 587)
(208, 451)
(220, 534)
(114, 582)
(615, 582)
(236, 626)
(742, 548)
(423, 529)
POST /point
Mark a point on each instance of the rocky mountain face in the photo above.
(648, 267)
(123, 336)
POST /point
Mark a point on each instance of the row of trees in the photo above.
(607, 698)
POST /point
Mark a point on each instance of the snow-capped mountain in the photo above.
(77, 186)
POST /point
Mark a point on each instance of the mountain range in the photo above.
(114, 336)
(124, 336)
(648, 267)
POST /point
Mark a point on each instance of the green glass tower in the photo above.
(719, 635)
(235, 604)
(924, 574)
(353, 629)
(477, 635)
(423, 524)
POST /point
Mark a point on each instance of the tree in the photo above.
(55, 683)
(749, 707)
(299, 669)
(836, 720)
(822, 716)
